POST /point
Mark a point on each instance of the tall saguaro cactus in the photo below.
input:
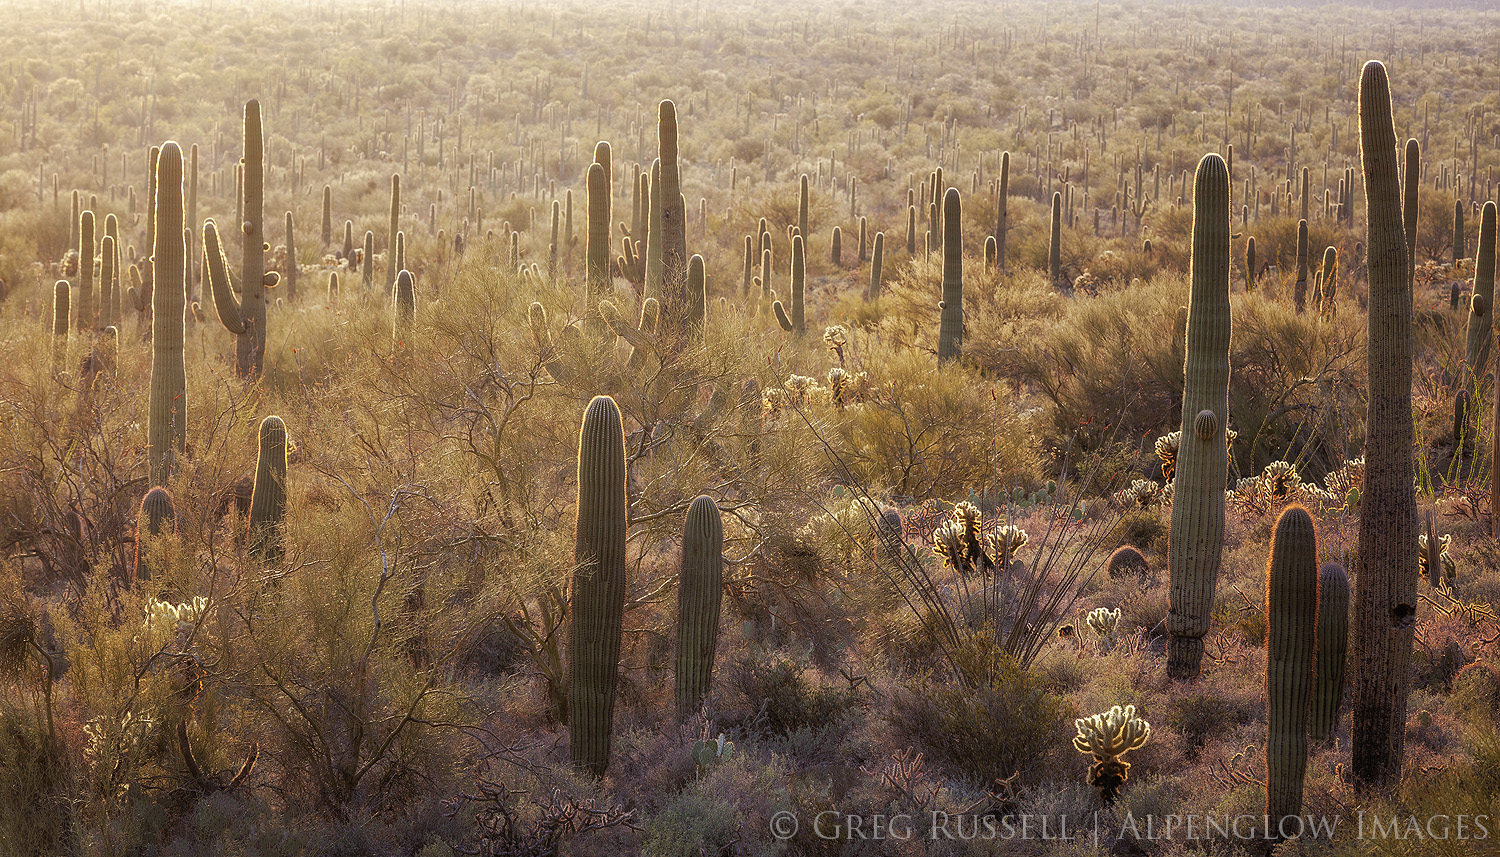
(167, 407)
(674, 257)
(85, 303)
(1482, 304)
(246, 317)
(1410, 203)
(951, 323)
(390, 267)
(596, 268)
(598, 595)
(795, 323)
(1197, 534)
(1385, 580)
(699, 593)
(877, 262)
(1292, 622)
(268, 496)
(1054, 245)
(1002, 210)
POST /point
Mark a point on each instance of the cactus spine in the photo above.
(1292, 619)
(1482, 303)
(698, 595)
(1197, 533)
(877, 260)
(1054, 245)
(167, 412)
(951, 324)
(598, 594)
(268, 497)
(246, 317)
(1385, 581)
(1332, 647)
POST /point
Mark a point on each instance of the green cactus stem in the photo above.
(911, 230)
(157, 517)
(1292, 621)
(1385, 583)
(1330, 278)
(803, 204)
(111, 295)
(1458, 231)
(795, 322)
(1250, 264)
(697, 292)
(698, 596)
(1481, 305)
(1332, 648)
(1054, 244)
(951, 324)
(1202, 467)
(836, 248)
(61, 303)
(598, 592)
(367, 264)
(333, 286)
(268, 496)
(167, 408)
(877, 261)
(1411, 204)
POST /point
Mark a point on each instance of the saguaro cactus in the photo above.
(674, 257)
(1458, 231)
(598, 596)
(291, 258)
(877, 261)
(1292, 621)
(1002, 210)
(1410, 203)
(1299, 292)
(795, 323)
(1481, 305)
(1333, 646)
(246, 317)
(390, 267)
(406, 306)
(1197, 533)
(1054, 245)
(697, 292)
(327, 235)
(268, 497)
(596, 267)
(85, 304)
(803, 203)
(61, 303)
(951, 323)
(698, 595)
(157, 516)
(167, 409)
(1385, 581)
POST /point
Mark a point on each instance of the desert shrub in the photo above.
(1200, 715)
(787, 700)
(1009, 723)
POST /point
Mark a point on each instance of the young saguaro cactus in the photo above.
(1458, 231)
(1197, 533)
(327, 235)
(246, 317)
(157, 517)
(268, 497)
(951, 323)
(1481, 305)
(598, 593)
(1292, 621)
(699, 593)
(167, 410)
(1332, 648)
(1385, 580)
(795, 323)
(697, 292)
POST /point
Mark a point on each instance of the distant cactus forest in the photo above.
(439, 428)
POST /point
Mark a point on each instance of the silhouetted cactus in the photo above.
(62, 302)
(156, 517)
(1299, 293)
(596, 265)
(598, 594)
(1332, 648)
(697, 292)
(951, 324)
(1002, 210)
(1054, 244)
(268, 496)
(167, 408)
(85, 304)
(1481, 305)
(795, 323)
(1385, 581)
(877, 262)
(1292, 621)
(674, 256)
(246, 317)
(1410, 204)
(395, 213)
(698, 595)
(1202, 464)
(291, 258)
(406, 307)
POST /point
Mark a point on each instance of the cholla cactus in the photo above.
(1347, 478)
(838, 386)
(113, 746)
(1141, 494)
(1008, 539)
(1108, 737)
(772, 401)
(1104, 621)
(959, 541)
(1280, 482)
(802, 389)
(166, 617)
(1166, 450)
(836, 337)
(1450, 568)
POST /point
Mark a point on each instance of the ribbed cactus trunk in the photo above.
(911, 230)
(157, 516)
(699, 593)
(654, 283)
(596, 265)
(1292, 622)
(85, 305)
(367, 265)
(697, 293)
(112, 301)
(1299, 293)
(326, 237)
(167, 406)
(836, 248)
(951, 320)
(1482, 304)
(406, 308)
(245, 317)
(1002, 213)
(803, 203)
(877, 262)
(598, 593)
(1410, 204)
(152, 155)
(1333, 648)
(749, 273)
(62, 303)
(1250, 264)
(1458, 231)
(395, 214)
(268, 496)
(674, 256)
(1054, 244)
(291, 258)
(1385, 580)
(1197, 534)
